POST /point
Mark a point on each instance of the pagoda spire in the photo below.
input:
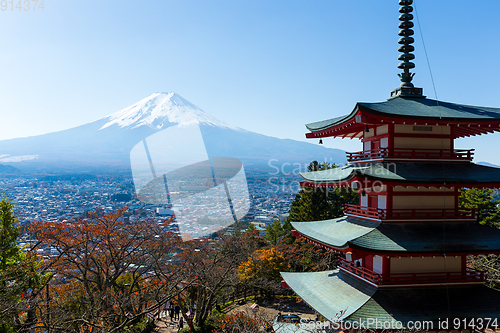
(406, 88)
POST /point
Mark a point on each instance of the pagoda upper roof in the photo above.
(329, 292)
(409, 238)
(464, 173)
(404, 109)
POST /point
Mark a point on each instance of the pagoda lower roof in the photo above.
(331, 293)
(408, 172)
(402, 238)
(339, 296)
(416, 108)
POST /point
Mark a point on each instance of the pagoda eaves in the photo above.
(464, 120)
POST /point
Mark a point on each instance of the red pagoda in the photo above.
(405, 245)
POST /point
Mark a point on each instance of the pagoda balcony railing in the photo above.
(359, 271)
(413, 154)
(440, 277)
(410, 214)
(410, 278)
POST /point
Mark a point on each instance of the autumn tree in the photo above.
(108, 273)
(265, 263)
(239, 322)
(303, 256)
(484, 202)
(212, 267)
(262, 270)
(487, 263)
(245, 322)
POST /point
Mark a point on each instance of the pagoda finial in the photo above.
(406, 88)
(406, 40)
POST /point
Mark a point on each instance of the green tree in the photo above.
(275, 232)
(320, 203)
(483, 202)
(20, 275)
(9, 250)
(10, 256)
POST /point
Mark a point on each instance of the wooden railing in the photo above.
(440, 277)
(410, 214)
(372, 212)
(410, 278)
(403, 153)
(359, 271)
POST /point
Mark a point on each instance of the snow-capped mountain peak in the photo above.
(159, 110)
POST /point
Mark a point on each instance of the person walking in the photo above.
(177, 310)
(171, 312)
(180, 325)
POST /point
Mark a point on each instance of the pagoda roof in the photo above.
(329, 292)
(404, 109)
(335, 232)
(411, 238)
(407, 172)
(416, 108)
(431, 304)
(333, 294)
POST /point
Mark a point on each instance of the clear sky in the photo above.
(266, 66)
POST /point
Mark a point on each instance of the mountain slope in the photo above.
(106, 143)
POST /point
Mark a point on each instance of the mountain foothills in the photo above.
(104, 145)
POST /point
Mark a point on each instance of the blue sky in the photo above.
(266, 66)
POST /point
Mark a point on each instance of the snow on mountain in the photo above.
(161, 109)
(106, 144)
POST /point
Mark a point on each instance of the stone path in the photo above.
(165, 325)
(267, 310)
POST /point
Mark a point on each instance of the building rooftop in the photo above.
(418, 108)
(337, 295)
(410, 238)
(334, 294)
(464, 173)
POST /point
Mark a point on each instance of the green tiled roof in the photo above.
(411, 172)
(430, 304)
(430, 108)
(418, 237)
(319, 125)
(336, 232)
(448, 237)
(333, 294)
(416, 108)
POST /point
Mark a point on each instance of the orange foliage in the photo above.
(108, 271)
(267, 263)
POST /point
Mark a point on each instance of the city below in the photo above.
(67, 198)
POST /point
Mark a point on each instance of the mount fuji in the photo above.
(105, 144)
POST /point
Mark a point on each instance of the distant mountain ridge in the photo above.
(8, 169)
(105, 144)
(488, 164)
